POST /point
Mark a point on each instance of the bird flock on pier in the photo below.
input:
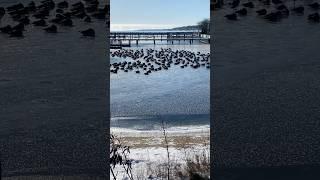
(49, 15)
(149, 60)
(273, 10)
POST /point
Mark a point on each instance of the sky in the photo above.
(156, 14)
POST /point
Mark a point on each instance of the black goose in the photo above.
(99, 15)
(18, 27)
(58, 19)
(16, 33)
(87, 19)
(92, 2)
(91, 9)
(67, 22)
(15, 7)
(78, 4)
(274, 16)
(31, 7)
(49, 5)
(261, 12)
(232, 16)
(276, 2)
(81, 15)
(40, 22)
(282, 7)
(266, 2)
(43, 14)
(298, 10)
(315, 5)
(67, 14)
(19, 12)
(89, 32)
(51, 29)
(315, 17)
(248, 5)
(59, 11)
(63, 4)
(25, 20)
(2, 11)
(235, 3)
(6, 29)
(242, 12)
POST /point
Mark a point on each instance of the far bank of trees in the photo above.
(204, 26)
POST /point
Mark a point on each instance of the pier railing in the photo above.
(127, 38)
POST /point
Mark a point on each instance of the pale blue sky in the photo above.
(137, 14)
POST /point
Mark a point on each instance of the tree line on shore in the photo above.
(204, 26)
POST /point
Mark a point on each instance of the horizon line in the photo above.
(134, 27)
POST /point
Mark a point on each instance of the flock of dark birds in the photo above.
(40, 15)
(279, 10)
(150, 60)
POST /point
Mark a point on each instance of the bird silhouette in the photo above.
(40, 22)
(235, 3)
(315, 5)
(276, 2)
(315, 17)
(248, 5)
(242, 11)
(89, 32)
(51, 29)
(232, 16)
(298, 10)
(6, 29)
(261, 12)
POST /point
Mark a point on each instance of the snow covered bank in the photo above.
(149, 154)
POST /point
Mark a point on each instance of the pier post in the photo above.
(192, 38)
(137, 42)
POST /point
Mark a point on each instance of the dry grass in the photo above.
(194, 165)
(198, 164)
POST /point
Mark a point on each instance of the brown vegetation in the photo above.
(194, 165)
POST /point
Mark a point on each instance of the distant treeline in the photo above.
(203, 26)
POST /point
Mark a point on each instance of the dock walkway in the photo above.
(125, 39)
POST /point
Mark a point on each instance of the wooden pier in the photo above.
(126, 39)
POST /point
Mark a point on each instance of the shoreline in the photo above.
(203, 128)
(178, 136)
